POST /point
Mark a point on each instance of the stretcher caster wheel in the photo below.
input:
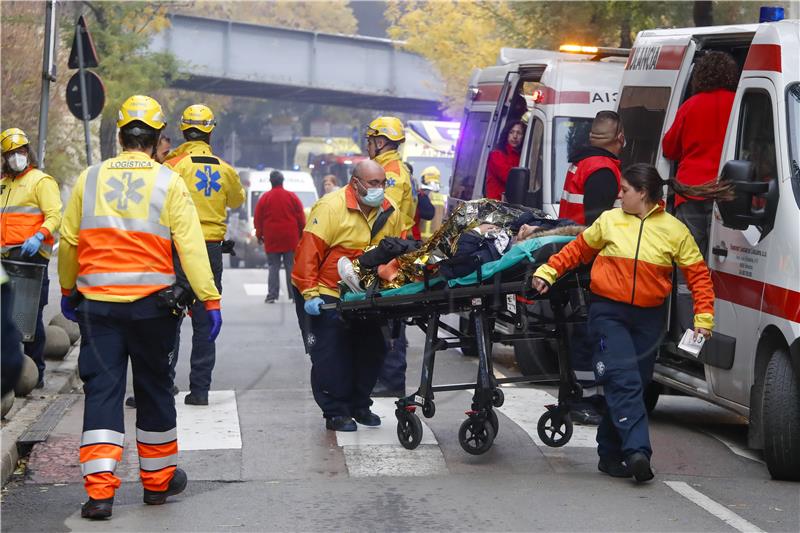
(498, 398)
(554, 429)
(491, 416)
(409, 429)
(429, 409)
(476, 436)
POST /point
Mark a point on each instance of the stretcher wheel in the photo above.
(429, 409)
(498, 398)
(409, 429)
(491, 416)
(476, 436)
(554, 429)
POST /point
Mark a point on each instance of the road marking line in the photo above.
(718, 510)
(735, 448)
(212, 427)
(255, 289)
(525, 406)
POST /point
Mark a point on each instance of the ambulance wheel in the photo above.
(476, 436)
(651, 394)
(554, 430)
(491, 416)
(781, 417)
(409, 429)
(498, 398)
(429, 409)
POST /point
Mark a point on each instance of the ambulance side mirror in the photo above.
(517, 184)
(740, 212)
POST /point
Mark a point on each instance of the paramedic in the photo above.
(631, 277)
(345, 358)
(503, 158)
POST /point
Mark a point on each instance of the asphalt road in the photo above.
(259, 457)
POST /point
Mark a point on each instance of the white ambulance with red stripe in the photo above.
(752, 363)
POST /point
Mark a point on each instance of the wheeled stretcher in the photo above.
(499, 291)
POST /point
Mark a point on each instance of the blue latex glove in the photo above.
(32, 244)
(312, 306)
(215, 317)
(67, 310)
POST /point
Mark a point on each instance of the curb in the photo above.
(61, 377)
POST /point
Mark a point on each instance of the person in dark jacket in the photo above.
(279, 221)
(503, 158)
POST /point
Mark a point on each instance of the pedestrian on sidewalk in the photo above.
(115, 265)
(279, 221)
(633, 248)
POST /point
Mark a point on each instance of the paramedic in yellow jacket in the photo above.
(214, 187)
(384, 137)
(345, 358)
(115, 265)
(30, 216)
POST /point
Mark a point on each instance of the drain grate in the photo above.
(40, 430)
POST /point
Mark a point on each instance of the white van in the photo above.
(751, 364)
(249, 253)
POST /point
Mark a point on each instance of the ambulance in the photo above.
(751, 364)
(563, 91)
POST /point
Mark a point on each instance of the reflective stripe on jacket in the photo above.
(398, 185)
(29, 202)
(213, 184)
(571, 206)
(634, 260)
(336, 227)
(119, 228)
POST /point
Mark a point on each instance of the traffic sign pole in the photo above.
(48, 76)
(84, 103)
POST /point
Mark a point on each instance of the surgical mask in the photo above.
(17, 162)
(432, 186)
(374, 196)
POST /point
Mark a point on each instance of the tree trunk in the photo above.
(703, 13)
(108, 136)
(625, 40)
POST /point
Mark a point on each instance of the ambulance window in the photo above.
(536, 155)
(569, 133)
(642, 110)
(793, 110)
(468, 154)
(756, 141)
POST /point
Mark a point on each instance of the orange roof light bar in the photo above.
(577, 49)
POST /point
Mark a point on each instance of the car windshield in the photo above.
(568, 134)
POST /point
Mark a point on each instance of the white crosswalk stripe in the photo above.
(212, 427)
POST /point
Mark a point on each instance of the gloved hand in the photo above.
(67, 310)
(32, 244)
(312, 306)
(215, 317)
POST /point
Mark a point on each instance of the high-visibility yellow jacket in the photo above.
(213, 184)
(29, 202)
(336, 227)
(399, 188)
(118, 230)
(634, 259)
(429, 227)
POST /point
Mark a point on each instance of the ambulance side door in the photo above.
(496, 125)
(532, 157)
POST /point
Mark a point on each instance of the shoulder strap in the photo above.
(380, 222)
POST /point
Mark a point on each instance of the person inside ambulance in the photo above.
(115, 266)
(696, 137)
(503, 158)
(30, 216)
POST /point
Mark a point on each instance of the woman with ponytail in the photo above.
(634, 248)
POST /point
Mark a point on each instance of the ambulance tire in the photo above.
(781, 418)
(651, 394)
(536, 357)
(56, 343)
(72, 328)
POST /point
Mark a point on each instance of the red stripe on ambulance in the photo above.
(659, 57)
(764, 57)
(489, 92)
(757, 295)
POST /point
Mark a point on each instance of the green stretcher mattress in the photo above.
(535, 251)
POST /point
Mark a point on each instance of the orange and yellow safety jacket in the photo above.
(213, 184)
(399, 188)
(634, 260)
(118, 230)
(29, 202)
(337, 227)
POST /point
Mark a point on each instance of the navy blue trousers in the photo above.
(626, 340)
(393, 373)
(345, 360)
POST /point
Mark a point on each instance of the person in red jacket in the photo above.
(279, 221)
(695, 138)
(503, 158)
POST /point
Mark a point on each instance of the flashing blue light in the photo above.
(770, 14)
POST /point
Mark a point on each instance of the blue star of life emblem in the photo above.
(390, 182)
(125, 189)
(208, 180)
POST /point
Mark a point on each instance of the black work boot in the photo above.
(366, 417)
(340, 423)
(194, 398)
(639, 465)
(97, 509)
(176, 486)
(613, 467)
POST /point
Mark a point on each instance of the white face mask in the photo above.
(17, 162)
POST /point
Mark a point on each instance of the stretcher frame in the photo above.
(485, 303)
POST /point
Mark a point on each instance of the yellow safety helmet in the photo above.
(389, 127)
(198, 116)
(13, 138)
(143, 109)
(431, 174)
